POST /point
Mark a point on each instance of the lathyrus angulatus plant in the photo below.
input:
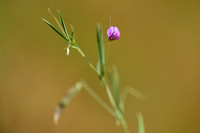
(116, 97)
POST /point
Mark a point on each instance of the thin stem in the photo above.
(122, 121)
(110, 21)
(110, 96)
(103, 79)
(87, 60)
(107, 52)
(124, 125)
(98, 99)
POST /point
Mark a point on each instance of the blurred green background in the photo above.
(158, 54)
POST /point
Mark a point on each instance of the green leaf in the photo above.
(63, 25)
(114, 82)
(55, 29)
(72, 32)
(140, 123)
(66, 100)
(100, 49)
(98, 67)
(73, 42)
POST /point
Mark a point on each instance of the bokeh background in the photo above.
(158, 54)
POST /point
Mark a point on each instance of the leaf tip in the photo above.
(140, 123)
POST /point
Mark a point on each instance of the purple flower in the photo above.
(113, 33)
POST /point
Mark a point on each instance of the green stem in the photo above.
(112, 101)
(107, 52)
(87, 60)
(124, 125)
(110, 96)
(98, 99)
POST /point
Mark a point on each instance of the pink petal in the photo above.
(110, 31)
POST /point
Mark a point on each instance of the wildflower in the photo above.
(113, 33)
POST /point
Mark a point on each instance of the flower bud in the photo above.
(113, 33)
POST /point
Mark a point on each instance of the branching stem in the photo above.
(98, 99)
(110, 96)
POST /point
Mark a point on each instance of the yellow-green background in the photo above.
(158, 53)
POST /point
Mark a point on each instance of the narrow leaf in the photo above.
(66, 100)
(116, 86)
(140, 123)
(56, 20)
(100, 49)
(114, 82)
(72, 32)
(63, 25)
(98, 67)
(73, 42)
(54, 29)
